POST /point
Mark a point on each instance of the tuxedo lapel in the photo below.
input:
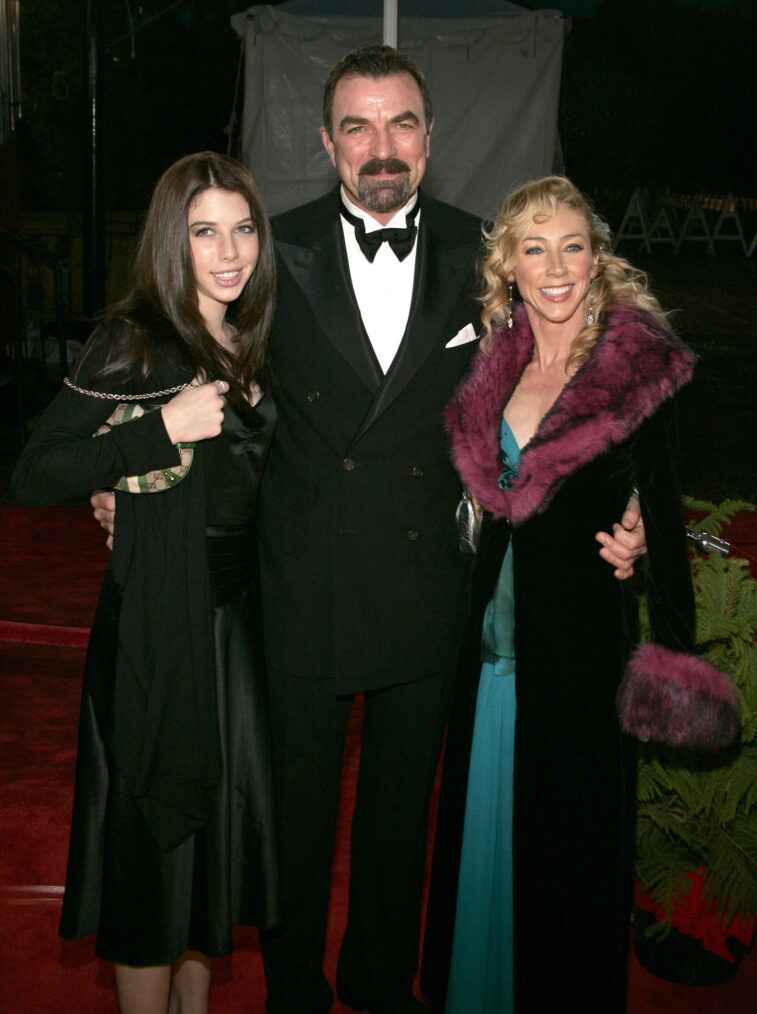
(440, 274)
(322, 272)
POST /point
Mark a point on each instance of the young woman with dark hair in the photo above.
(172, 832)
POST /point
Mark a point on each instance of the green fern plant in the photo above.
(696, 811)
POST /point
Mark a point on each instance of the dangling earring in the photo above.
(510, 304)
(590, 313)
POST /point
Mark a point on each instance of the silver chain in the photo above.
(108, 396)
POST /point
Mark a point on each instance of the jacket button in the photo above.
(348, 464)
(416, 471)
(313, 396)
(412, 535)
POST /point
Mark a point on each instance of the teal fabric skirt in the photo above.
(481, 977)
(481, 974)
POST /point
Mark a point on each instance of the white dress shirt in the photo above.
(383, 288)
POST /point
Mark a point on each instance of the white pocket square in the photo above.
(464, 335)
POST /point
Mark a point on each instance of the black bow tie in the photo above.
(400, 240)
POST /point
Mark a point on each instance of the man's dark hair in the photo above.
(376, 62)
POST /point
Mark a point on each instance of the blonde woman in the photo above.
(567, 408)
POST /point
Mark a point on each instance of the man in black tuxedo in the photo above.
(363, 582)
(364, 586)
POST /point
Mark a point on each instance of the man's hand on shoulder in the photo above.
(104, 503)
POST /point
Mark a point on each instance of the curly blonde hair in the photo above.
(616, 280)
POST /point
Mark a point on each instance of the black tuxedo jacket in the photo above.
(362, 576)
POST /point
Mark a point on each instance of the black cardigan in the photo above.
(157, 711)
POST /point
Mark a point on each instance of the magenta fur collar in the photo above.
(631, 372)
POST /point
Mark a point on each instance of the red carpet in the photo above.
(51, 561)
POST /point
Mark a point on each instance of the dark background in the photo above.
(655, 92)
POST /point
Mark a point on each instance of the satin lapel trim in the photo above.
(439, 275)
(322, 273)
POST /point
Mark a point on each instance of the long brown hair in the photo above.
(162, 301)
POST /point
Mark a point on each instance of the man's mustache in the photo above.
(374, 166)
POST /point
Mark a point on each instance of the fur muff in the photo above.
(632, 370)
(675, 698)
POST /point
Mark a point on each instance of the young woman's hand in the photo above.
(196, 413)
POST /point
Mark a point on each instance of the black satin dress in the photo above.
(149, 906)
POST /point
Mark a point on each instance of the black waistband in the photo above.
(232, 559)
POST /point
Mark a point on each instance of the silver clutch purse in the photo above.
(468, 518)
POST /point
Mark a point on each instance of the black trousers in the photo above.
(403, 730)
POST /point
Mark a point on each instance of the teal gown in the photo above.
(481, 975)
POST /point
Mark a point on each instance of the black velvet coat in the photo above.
(612, 428)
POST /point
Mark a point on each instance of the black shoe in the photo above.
(409, 1005)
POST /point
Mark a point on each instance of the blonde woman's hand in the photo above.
(196, 413)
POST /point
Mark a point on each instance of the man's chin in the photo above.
(388, 195)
